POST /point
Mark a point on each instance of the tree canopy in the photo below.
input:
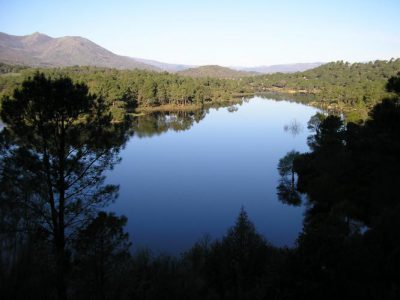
(56, 145)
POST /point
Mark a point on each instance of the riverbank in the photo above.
(189, 107)
(352, 113)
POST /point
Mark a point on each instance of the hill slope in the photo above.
(214, 71)
(41, 50)
(285, 68)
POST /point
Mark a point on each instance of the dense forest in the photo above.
(126, 90)
(57, 241)
(215, 71)
(340, 87)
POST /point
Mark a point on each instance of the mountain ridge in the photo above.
(41, 50)
(280, 68)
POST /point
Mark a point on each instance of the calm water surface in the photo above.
(177, 186)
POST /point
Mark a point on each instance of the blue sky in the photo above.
(241, 32)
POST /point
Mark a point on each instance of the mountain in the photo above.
(40, 50)
(172, 68)
(214, 71)
(285, 68)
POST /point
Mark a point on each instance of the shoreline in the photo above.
(190, 107)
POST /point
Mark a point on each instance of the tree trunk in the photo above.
(293, 188)
(61, 287)
(60, 238)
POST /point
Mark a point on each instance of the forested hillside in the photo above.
(215, 72)
(337, 85)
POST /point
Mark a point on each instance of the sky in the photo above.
(229, 33)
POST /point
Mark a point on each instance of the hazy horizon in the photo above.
(241, 34)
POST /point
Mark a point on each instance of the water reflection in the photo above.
(297, 97)
(286, 189)
(294, 127)
(198, 168)
(160, 122)
(232, 108)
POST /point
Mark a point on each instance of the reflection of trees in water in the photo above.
(232, 109)
(294, 127)
(160, 122)
(297, 98)
(286, 190)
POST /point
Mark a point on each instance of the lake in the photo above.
(186, 175)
